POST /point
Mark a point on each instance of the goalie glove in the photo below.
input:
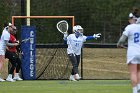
(97, 35)
(65, 35)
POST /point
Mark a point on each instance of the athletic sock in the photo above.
(17, 75)
(10, 76)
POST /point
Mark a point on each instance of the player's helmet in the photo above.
(9, 24)
(78, 30)
(14, 29)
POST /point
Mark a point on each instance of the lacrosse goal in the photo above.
(51, 58)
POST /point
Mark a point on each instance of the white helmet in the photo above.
(9, 24)
(78, 28)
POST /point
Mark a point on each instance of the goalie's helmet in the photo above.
(78, 30)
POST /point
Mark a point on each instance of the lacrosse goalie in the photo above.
(75, 42)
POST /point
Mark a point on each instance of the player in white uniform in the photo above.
(75, 42)
(132, 33)
(4, 42)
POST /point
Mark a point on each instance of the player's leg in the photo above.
(11, 72)
(78, 61)
(138, 70)
(12, 60)
(74, 66)
(18, 67)
(133, 76)
(2, 59)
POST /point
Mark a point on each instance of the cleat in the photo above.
(18, 78)
(2, 80)
(10, 80)
(77, 77)
(72, 78)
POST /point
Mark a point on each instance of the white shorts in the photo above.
(133, 60)
(2, 52)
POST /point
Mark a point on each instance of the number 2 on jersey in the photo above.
(136, 37)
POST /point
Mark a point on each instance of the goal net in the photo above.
(51, 57)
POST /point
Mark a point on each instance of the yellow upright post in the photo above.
(28, 12)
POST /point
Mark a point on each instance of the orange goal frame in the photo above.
(15, 17)
(21, 17)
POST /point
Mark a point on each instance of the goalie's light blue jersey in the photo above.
(75, 44)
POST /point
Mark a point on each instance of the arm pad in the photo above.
(122, 40)
(89, 37)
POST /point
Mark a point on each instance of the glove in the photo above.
(97, 35)
(65, 35)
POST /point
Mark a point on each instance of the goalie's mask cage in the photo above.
(78, 30)
(52, 61)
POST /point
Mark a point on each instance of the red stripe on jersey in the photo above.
(12, 40)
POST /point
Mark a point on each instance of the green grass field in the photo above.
(65, 86)
(98, 64)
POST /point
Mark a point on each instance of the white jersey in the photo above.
(132, 31)
(5, 36)
(75, 44)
